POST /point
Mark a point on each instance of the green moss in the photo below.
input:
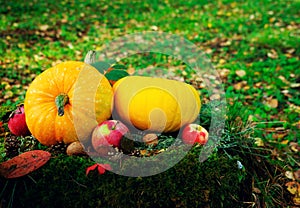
(62, 183)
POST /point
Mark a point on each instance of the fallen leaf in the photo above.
(64, 19)
(160, 151)
(297, 174)
(101, 168)
(283, 79)
(294, 108)
(290, 51)
(154, 28)
(238, 86)
(215, 97)
(279, 136)
(258, 84)
(273, 103)
(247, 87)
(240, 73)
(8, 94)
(294, 146)
(222, 61)
(285, 141)
(293, 187)
(256, 190)
(259, 142)
(289, 175)
(44, 27)
(238, 121)
(24, 163)
(206, 195)
(296, 200)
(272, 19)
(224, 73)
(70, 45)
(226, 43)
(272, 54)
(248, 97)
(295, 85)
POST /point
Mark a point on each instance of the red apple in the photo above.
(17, 123)
(194, 133)
(108, 133)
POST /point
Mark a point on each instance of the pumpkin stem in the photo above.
(60, 101)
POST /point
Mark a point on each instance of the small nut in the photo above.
(151, 139)
(75, 148)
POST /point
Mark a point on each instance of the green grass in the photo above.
(259, 37)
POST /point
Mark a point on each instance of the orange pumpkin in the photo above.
(66, 102)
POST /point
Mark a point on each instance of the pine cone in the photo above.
(12, 146)
(59, 148)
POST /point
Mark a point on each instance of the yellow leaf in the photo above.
(44, 27)
(240, 73)
(272, 54)
(228, 14)
(222, 61)
(220, 12)
(285, 141)
(272, 19)
(238, 86)
(259, 142)
(233, 4)
(295, 85)
(143, 152)
(247, 87)
(224, 73)
(154, 28)
(294, 146)
(257, 73)
(8, 94)
(160, 151)
(289, 175)
(294, 108)
(283, 79)
(70, 46)
(273, 103)
(293, 187)
(296, 200)
(209, 25)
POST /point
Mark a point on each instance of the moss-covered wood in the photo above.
(62, 183)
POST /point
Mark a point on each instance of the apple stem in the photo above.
(199, 128)
(60, 101)
(114, 127)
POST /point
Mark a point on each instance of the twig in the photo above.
(79, 184)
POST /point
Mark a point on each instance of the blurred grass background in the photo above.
(254, 46)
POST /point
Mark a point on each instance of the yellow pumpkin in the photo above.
(65, 103)
(155, 104)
